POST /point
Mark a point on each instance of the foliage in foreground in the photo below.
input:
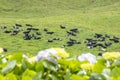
(54, 64)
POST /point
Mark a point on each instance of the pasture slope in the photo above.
(89, 16)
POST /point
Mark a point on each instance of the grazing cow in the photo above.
(36, 29)
(19, 25)
(50, 41)
(38, 33)
(99, 54)
(74, 30)
(7, 31)
(5, 49)
(101, 45)
(45, 29)
(101, 39)
(27, 37)
(26, 32)
(78, 42)
(29, 29)
(71, 42)
(108, 44)
(49, 32)
(89, 39)
(98, 35)
(71, 33)
(29, 25)
(115, 39)
(107, 36)
(62, 27)
(3, 27)
(36, 37)
(15, 32)
(90, 43)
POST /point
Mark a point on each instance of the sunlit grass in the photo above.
(89, 19)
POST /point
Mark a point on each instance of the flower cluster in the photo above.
(87, 66)
(61, 52)
(52, 54)
(89, 57)
(111, 55)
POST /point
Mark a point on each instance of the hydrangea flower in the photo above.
(51, 54)
(61, 52)
(87, 66)
(88, 56)
(1, 50)
(4, 60)
(111, 55)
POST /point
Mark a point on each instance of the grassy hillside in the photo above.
(43, 8)
(89, 16)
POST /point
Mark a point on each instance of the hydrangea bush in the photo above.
(55, 64)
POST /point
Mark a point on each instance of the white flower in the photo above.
(47, 54)
(4, 60)
(1, 50)
(88, 56)
(25, 56)
(30, 60)
(108, 64)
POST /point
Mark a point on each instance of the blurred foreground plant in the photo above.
(55, 64)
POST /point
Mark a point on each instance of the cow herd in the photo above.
(101, 41)
(29, 32)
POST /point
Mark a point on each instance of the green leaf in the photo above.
(9, 67)
(17, 57)
(81, 73)
(27, 65)
(3, 65)
(17, 70)
(38, 76)
(67, 77)
(95, 76)
(29, 73)
(116, 78)
(74, 65)
(53, 77)
(116, 62)
(101, 60)
(76, 77)
(2, 77)
(10, 76)
(98, 67)
(63, 64)
(107, 73)
(39, 66)
(115, 72)
(26, 78)
(50, 66)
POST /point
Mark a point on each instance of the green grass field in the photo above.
(89, 16)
